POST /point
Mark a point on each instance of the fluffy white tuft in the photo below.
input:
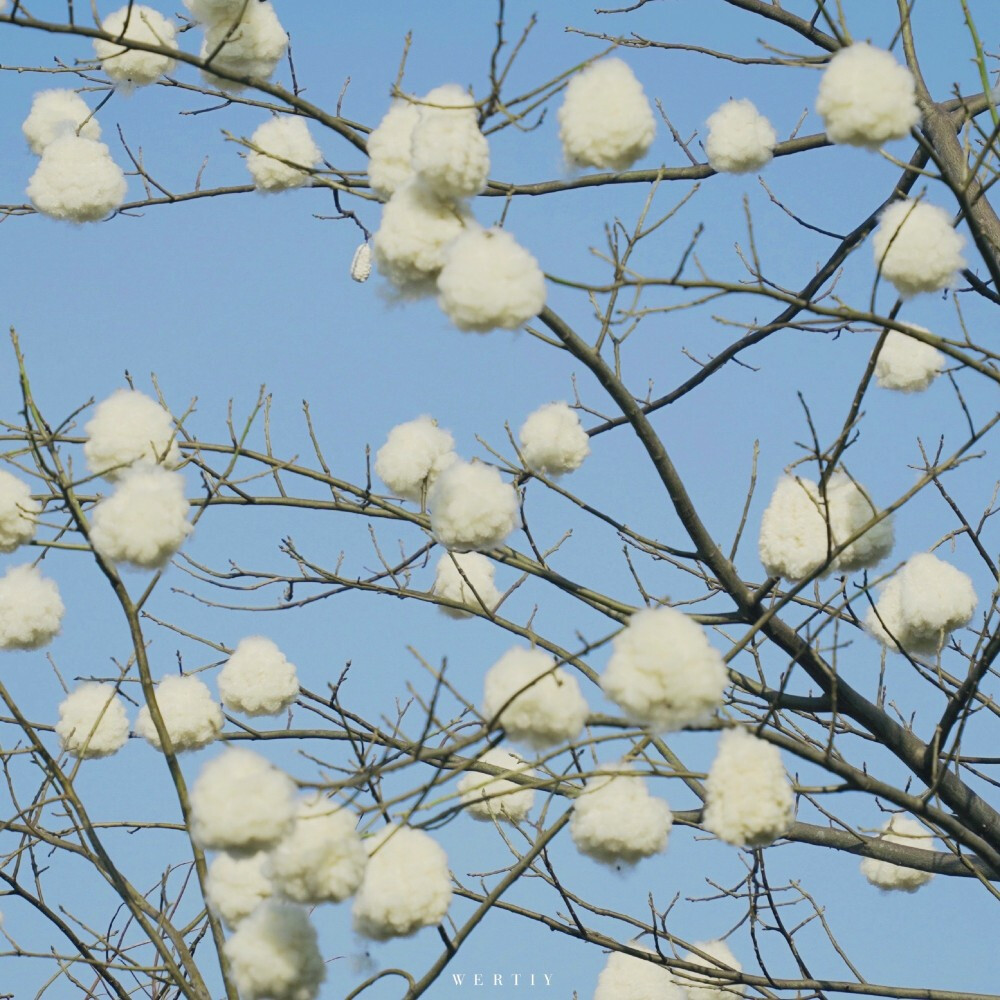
(76, 180)
(55, 113)
(794, 540)
(413, 456)
(616, 821)
(128, 429)
(190, 713)
(129, 68)
(917, 247)
(447, 151)
(92, 721)
(866, 97)
(906, 364)
(625, 977)
(214, 11)
(472, 508)
(274, 954)
(494, 798)
(389, 162)
(605, 119)
(724, 958)
(282, 139)
(465, 578)
(905, 832)
(31, 609)
(552, 440)
(257, 679)
(535, 701)
(361, 263)
(748, 798)
(663, 671)
(17, 512)
(254, 48)
(489, 280)
(922, 605)
(406, 886)
(144, 521)
(241, 802)
(236, 886)
(740, 139)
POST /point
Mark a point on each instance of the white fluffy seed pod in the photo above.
(465, 578)
(905, 832)
(322, 859)
(406, 885)
(274, 954)
(31, 609)
(17, 512)
(389, 162)
(413, 456)
(922, 605)
(253, 49)
(917, 247)
(55, 113)
(708, 988)
(361, 263)
(285, 154)
(130, 68)
(552, 440)
(215, 11)
(191, 715)
(663, 671)
(605, 119)
(236, 886)
(129, 429)
(749, 800)
(488, 280)
(76, 180)
(144, 521)
(472, 508)
(536, 702)
(447, 151)
(491, 798)
(241, 803)
(906, 364)
(740, 139)
(257, 679)
(92, 721)
(616, 821)
(866, 97)
(625, 977)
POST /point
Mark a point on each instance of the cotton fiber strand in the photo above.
(447, 151)
(740, 139)
(538, 703)
(129, 429)
(274, 954)
(406, 886)
(917, 248)
(236, 886)
(55, 113)
(465, 578)
(31, 609)
(389, 162)
(76, 180)
(92, 721)
(490, 798)
(625, 977)
(866, 97)
(253, 49)
(748, 798)
(488, 280)
(724, 958)
(282, 139)
(191, 715)
(605, 119)
(906, 832)
(17, 512)
(413, 456)
(472, 508)
(616, 821)
(322, 859)
(241, 802)
(906, 364)
(258, 679)
(552, 440)
(922, 605)
(663, 672)
(129, 68)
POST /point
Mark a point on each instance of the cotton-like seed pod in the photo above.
(361, 263)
